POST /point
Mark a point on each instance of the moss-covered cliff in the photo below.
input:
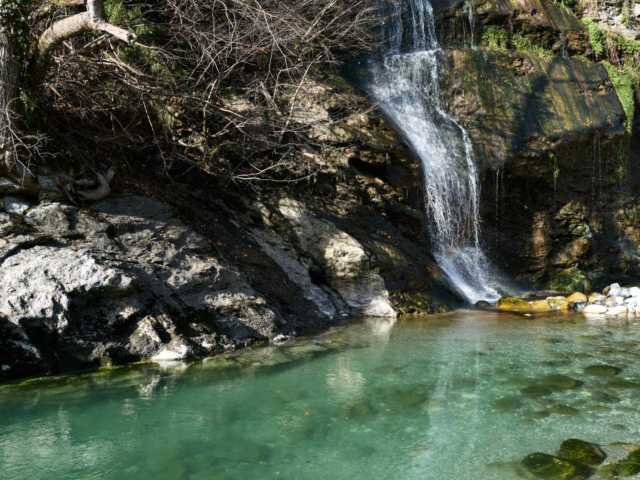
(551, 119)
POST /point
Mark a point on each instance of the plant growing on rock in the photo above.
(496, 38)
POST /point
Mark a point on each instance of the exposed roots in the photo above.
(76, 190)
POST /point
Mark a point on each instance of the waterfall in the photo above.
(564, 51)
(405, 82)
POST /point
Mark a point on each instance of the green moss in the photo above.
(596, 37)
(624, 81)
(549, 467)
(554, 164)
(582, 451)
(496, 38)
(618, 470)
(524, 45)
(573, 280)
(512, 303)
(417, 305)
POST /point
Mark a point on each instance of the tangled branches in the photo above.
(218, 85)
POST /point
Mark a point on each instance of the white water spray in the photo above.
(406, 83)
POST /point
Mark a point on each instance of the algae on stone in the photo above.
(581, 451)
(549, 467)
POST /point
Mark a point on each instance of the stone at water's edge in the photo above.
(582, 451)
(540, 305)
(595, 309)
(483, 304)
(512, 303)
(572, 299)
(549, 467)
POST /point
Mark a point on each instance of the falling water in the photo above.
(564, 51)
(472, 20)
(405, 81)
(596, 174)
(497, 205)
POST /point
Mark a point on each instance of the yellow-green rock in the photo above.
(512, 303)
(540, 305)
(575, 297)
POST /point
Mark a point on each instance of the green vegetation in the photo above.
(624, 81)
(495, 38)
(596, 37)
(554, 164)
(13, 21)
(499, 38)
(524, 45)
(572, 280)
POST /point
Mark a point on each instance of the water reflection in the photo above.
(428, 398)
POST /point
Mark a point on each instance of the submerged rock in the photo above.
(619, 470)
(549, 467)
(537, 415)
(512, 469)
(506, 404)
(584, 452)
(563, 410)
(623, 384)
(601, 370)
(536, 391)
(560, 381)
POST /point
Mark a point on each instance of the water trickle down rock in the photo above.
(406, 81)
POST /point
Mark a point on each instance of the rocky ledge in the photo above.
(126, 280)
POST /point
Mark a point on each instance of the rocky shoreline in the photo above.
(614, 301)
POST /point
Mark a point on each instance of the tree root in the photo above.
(75, 190)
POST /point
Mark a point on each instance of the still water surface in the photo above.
(424, 398)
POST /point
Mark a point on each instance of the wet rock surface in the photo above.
(548, 467)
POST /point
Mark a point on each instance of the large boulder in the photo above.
(122, 282)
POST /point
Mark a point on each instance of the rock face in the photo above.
(546, 126)
(122, 282)
(126, 281)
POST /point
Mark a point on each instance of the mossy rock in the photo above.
(483, 304)
(581, 451)
(512, 303)
(560, 381)
(619, 470)
(564, 410)
(536, 391)
(634, 457)
(540, 305)
(549, 467)
(537, 415)
(601, 370)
